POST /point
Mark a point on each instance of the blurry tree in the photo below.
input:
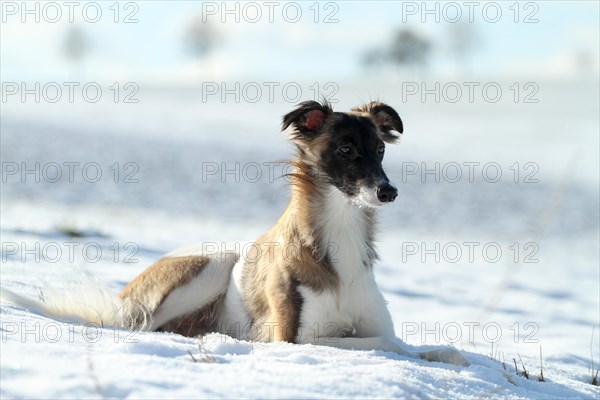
(75, 48)
(199, 38)
(464, 40)
(407, 49)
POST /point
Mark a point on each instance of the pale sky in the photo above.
(152, 48)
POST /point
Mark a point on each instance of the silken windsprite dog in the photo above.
(323, 291)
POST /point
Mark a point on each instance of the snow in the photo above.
(103, 362)
(552, 304)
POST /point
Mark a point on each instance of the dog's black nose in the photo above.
(386, 193)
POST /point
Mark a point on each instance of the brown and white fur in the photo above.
(309, 279)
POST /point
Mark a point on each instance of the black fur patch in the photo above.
(362, 164)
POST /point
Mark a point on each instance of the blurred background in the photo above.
(181, 42)
(496, 82)
(164, 92)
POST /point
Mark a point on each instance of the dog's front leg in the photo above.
(376, 328)
(448, 355)
(369, 343)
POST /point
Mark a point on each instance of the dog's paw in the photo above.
(446, 355)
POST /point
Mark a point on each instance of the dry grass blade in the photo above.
(92, 374)
(191, 355)
(203, 355)
(541, 378)
(592, 368)
(524, 373)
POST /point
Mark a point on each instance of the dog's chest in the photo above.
(336, 313)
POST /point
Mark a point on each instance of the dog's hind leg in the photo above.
(177, 285)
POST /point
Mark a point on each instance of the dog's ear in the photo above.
(386, 118)
(308, 118)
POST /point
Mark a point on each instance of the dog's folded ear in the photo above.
(307, 118)
(386, 118)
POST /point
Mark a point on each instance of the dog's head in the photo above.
(346, 149)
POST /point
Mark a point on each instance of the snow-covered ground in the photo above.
(440, 270)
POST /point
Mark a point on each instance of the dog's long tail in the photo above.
(181, 283)
(84, 300)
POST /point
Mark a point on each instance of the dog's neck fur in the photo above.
(338, 230)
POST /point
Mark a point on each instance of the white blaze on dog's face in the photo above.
(347, 149)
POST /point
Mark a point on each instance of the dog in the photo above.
(310, 278)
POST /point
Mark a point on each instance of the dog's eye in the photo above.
(381, 149)
(345, 150)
